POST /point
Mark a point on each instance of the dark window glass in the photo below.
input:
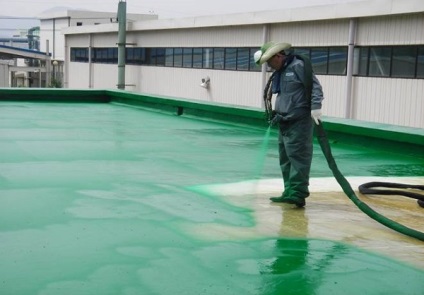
(187, 57)
(252, 65)
(139, 56)
(303, 51)
(403, 61)
(337, 61)
(160, 56)
(319, 59)
(169, 57)
(363, 61)
(151, 56)
(79, 54)
(115, 56)
(207, 58)
(103, 55)
(218, 58)
(230, 58)
(379, 65)
(72, 54)
(197, 57)
(178, 57)
(420, 62)
(129, 56)
(243, 55)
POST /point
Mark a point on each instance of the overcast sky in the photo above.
(10, 10)
(164, 8)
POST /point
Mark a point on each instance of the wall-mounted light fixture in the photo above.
(205, 82)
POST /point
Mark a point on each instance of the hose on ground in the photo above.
(326, 149)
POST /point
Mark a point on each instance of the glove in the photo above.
(275, 119)
(316, 115)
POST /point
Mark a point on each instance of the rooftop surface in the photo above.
(108, 198)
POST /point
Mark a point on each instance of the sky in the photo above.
(13, 9)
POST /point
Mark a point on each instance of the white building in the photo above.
(369, 57)
(52, 23)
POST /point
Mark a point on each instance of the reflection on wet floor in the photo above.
(107, 199)
(329, 214)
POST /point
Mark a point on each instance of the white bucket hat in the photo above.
(268, 50)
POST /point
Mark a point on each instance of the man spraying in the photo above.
(297, 107)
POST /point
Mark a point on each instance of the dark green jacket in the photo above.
(293, 101)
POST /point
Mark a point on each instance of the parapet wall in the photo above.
(398, 138)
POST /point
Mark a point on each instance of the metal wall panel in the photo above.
(391, 101)
(334, 88)
(78, 76)
(316, 33)
(391, 30)
(384, 100)
(201, 37)
(229, 87)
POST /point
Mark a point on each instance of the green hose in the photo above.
(325, 147)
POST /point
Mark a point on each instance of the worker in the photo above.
(297, 107)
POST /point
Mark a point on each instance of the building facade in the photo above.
(369, 57)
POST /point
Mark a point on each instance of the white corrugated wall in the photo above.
(385, 100)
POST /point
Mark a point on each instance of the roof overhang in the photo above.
(9, 52)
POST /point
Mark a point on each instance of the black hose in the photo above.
(367, 188)
(325, 147)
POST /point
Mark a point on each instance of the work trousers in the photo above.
(295, 151)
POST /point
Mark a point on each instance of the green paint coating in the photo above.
(96, 199)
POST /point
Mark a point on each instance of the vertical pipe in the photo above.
(48, 64)
(90, 66)
(349, 74)
(265, 33)
(122, 20)
(54, 39)
(66, 63)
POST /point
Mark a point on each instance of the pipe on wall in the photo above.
(90, 64)
(350, 63)
(265, 37)
(122, 21)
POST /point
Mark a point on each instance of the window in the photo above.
(207, 58)
(178, 57)
(243, 59)
(379, 61)
(129, 55)
(218, 58)
(169, 57)
(403, 61)
(79, 54)
(139, 55)
(230, 58)
(303, 51)
(369, 61)
(252, 65)
(363, 61)
(420, 62)
(337, 61)
(197, 58)
(319, 59)
(160, 56)
(188, 57)
(150, 57)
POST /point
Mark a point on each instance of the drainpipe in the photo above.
(349, 74)
(122, 20)
(90, 66)
(48, 64)
(265, 32)
(54, 39)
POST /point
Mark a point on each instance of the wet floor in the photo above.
(109, 199)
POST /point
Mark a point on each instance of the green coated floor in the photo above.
(109, 199)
